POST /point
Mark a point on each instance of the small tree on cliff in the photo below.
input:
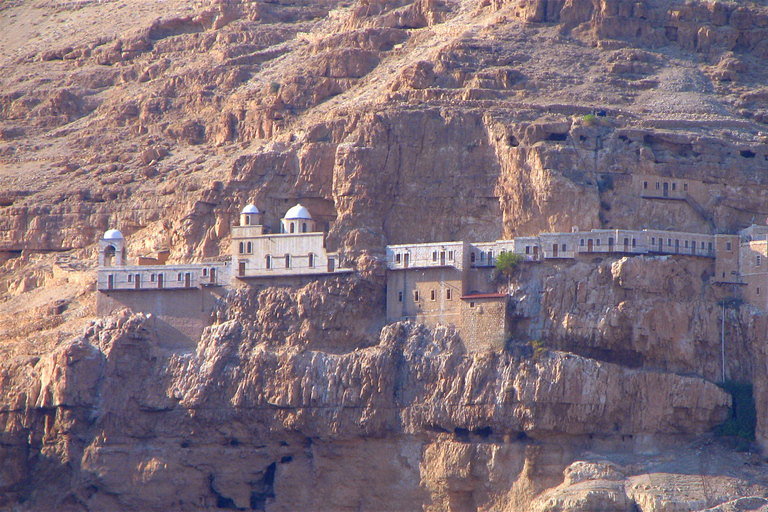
(507, 263)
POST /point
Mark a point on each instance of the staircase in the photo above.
(700, 210)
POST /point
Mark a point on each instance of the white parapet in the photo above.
(163, 277)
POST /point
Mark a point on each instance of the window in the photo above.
(293, 227)
(242, 247)
(490, 256)
(153, 277)
(685, 187)
(686, 244)
(130, 278)
(581, 243)
(450, 255)
(482, 255)
(657, 185)
(758, 260)
(653, 240)
(528, 249)
(597, 242)
(434, 255)
(471, 304)
(728, 246)
(669, 242)
(250, 247)
(674, 185)
(311, 258)
(709, 246)
(645, 185)
(247, 220)
(634, 242)
(287, 261)
(205, 272)
(472, 257)
(416, 295)
(448, 294)
(178, 277)
(432, 295)
(564, 247)
(397, 258)
(269, 261)
(399, 296)
(303, 227)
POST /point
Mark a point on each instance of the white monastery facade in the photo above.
(439, 282)
(181, 296)
(448, 282)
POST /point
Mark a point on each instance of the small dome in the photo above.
(298, 212)
(113, 234)
(251, 209)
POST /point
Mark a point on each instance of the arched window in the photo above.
(303, 227)
(293, 227)
(250, 247)
(109, 255)
(269, 261)
(311, 260)
(247, 220)
(287, 261)
(242, 247)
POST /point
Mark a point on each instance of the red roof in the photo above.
(484, 296)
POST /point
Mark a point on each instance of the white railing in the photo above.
(160, 277)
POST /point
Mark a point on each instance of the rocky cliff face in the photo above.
(394, 122)
(229, 422)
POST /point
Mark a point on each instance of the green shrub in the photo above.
(507, 262)
(589, 119)
(539, 350)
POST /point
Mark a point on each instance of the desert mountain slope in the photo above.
(393, 122)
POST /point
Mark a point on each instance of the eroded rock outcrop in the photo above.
(414, 382)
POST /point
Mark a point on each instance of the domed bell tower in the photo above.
(112, 249)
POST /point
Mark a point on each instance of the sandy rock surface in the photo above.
(393, 122)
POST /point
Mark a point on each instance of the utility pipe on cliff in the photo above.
(722, 339)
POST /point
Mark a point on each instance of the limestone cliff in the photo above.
(112, 409)
(394, 122)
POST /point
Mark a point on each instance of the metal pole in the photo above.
(722, 340)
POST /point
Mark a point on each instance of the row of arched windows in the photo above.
(246, 248)
(292, 227)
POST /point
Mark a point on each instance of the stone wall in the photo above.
(178, 316)
(727, 259)
(484, 324)
(434, 286)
